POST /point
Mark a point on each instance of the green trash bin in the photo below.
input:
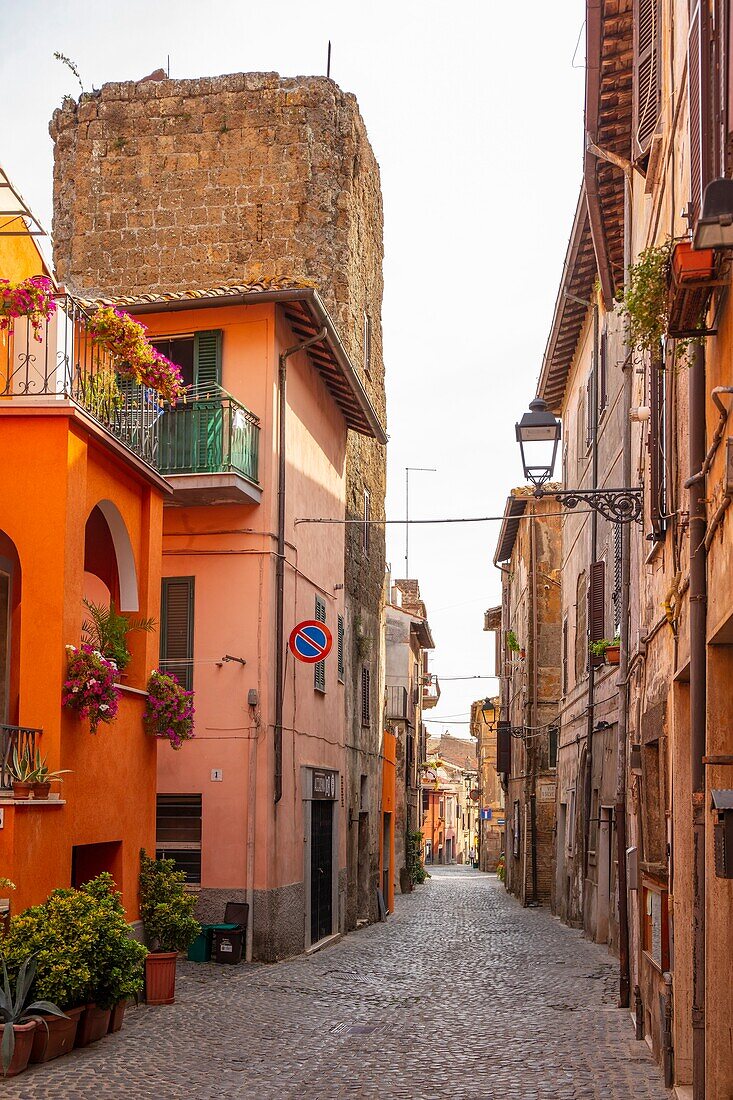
(200, 949)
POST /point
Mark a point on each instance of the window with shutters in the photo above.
(503, 747)
(178, 833)
(207, 361)
(581, 626)
(699, 77)
(180, 350)
(581, 428)
(657, 443)
(367, 517)
(597, 608)
(647, 86)
(340, 649)
(603, 374)
(366, 697)
(616, 599)
(319, 668)
(565, 683)
(367, 344)
(589, 413)
(553, 737)
(176, 628)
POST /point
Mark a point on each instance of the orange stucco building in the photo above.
(254, 808)
(81, 506)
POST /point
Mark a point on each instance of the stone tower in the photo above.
(166, 185)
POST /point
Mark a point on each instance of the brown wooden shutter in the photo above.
(656, 443)
(503, 748)
(176, 628)
(565, 656)
(647, 91)
(597, 607)
(699, 86)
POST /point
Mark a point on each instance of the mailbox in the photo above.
(723, 833)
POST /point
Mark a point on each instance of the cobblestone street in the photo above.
(461, 994)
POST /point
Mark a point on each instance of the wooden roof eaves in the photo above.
(579, 271)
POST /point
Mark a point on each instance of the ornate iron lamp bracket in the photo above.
(616, 505)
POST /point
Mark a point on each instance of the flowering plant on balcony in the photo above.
(136, 358)
(169, 709)
(89, 688)
(31, 298)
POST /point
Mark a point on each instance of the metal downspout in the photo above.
(588, 786)
(624, 984)
(280, 569)
(534, 718)
(698, 716)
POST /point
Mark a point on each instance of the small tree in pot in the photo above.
(170, 926)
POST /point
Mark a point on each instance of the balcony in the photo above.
(430, 691)
(209, 450)
(63, 365)
(21, 738)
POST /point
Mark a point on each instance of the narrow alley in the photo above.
(461, 990)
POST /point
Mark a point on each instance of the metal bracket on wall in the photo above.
(616, 505)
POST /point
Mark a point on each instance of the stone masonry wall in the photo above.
(166, 185)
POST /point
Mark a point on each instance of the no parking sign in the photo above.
(310, 641)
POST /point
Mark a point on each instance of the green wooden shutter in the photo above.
(319, 668)
(176, 628)
(208, 435)
(340, 643)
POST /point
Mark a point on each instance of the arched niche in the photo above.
(10, 594)
(108, 555)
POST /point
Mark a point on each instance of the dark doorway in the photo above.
(363, 869)
(321, 869)
(89, 860)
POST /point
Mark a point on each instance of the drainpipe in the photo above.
(587, 799)
(624, 984)
(280, 570)
(698, 691)
(534, 710)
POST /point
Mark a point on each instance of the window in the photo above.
(657, 448)
(647, 91)
(180, 350)
(597, 608)
(425, 802)
(699, 68)
(340, 648)
(366, 700)
(581, 626)
(565, 655)
(590, 413)
(367, 344)
(176, 628)
(178, 832)
(367, 517)
(616, 598)
(198, 355)
(603, 373)
(515, 845)
(553, 735)
(581, 433)
(570, 822)
(441, 807)
(655, 933)
(319, 668)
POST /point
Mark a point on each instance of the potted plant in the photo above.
(19, 1018)
(170, 926)
(136, 359)
(43, 778)
(22, 773)
(610, 651)
(106, 631)
(689, 264)
(168, 709)
(511, 641)
(89, 688)
(31, 298)
(645, 303)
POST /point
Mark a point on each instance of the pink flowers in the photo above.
(89, 687)
(169, 709)
(30, 298)
(135, 356)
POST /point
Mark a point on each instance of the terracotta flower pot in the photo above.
(689, 265)
(93, 1024)
(54, 1035)
(613, 654)
(41, 790)
(116, 1017)
(160, 977)
(23, 1045)
(22, 790)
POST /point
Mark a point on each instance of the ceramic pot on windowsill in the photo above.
(613, 654)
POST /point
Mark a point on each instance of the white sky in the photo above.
(474, 110)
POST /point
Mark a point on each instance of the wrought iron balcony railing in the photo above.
(21, 738)
(65, 364)
(210, 433)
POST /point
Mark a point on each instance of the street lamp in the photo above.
(538, 434)
(714, 227)
(488, 707)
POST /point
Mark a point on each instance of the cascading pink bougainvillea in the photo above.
(135, 357)
(89, 688)
(169, 709)
(31, 298)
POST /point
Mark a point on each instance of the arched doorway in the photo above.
(109, 563)
(10, 593)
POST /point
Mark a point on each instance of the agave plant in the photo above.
(20, 1009)
(41, 773)
(22, 768)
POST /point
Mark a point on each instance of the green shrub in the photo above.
(165, 907)
(83, 947)
(413, 858)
